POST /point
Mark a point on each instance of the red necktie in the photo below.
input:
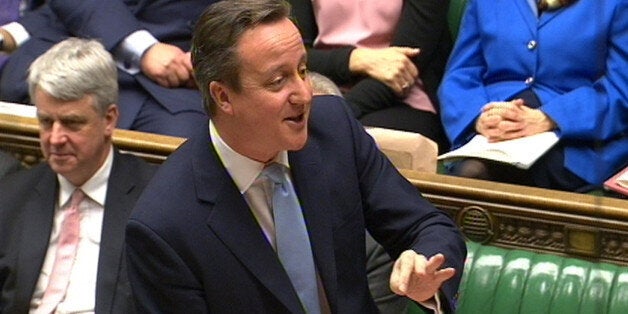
(64, 257)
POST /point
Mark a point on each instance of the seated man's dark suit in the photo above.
(194, 245)
(169, 21)
(27, 205)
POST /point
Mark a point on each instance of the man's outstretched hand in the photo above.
(419, 278)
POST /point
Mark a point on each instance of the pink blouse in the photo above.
(364, 23)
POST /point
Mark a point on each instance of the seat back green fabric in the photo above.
(456, 9)
(516, 281)
(499, 280)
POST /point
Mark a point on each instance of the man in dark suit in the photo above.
(203, 236)
(150, 41)
(74, 88)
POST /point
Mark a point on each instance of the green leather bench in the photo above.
(499, 280)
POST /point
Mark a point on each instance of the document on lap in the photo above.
(618, 182)
(521, 152)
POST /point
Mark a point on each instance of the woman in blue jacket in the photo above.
(517, 70)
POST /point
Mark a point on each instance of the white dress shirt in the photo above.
(128, 53)
(245, 174)
(81, 294)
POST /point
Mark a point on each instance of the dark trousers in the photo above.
(547, 172)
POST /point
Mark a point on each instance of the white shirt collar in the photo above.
(95, 188)
(243, 170)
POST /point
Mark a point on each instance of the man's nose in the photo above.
(58, 134)
(303, 91)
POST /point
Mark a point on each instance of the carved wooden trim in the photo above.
(569, 224)
(542, 220)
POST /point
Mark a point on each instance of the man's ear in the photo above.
(221, 95)
(111, 118)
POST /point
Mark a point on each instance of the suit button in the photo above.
(531, 44)
(529, 81)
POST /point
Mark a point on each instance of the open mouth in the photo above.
(297, 118)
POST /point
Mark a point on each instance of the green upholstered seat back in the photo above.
(499, 281)
(456, 9)
(515, 281)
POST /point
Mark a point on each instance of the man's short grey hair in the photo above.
(322, 85)
(74, 68)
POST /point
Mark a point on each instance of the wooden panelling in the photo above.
(511, 216)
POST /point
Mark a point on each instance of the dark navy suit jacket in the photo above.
(170, 21)
(194, 245)
(27, 204)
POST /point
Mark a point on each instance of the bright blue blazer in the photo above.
(574, 59)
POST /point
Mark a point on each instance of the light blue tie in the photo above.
(293, 244)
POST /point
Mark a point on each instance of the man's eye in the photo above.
(277, 81)
(303, 73)
(72, 124)
(45, 122)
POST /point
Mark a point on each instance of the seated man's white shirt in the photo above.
(18, 32)
(127, 55)
(81, 293)
(129, 52)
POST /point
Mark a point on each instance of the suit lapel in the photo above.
(314, 197)
(527, 14)
(532, 21)
(38, 212)
(119, 202)
(231, 220)
(548, 16)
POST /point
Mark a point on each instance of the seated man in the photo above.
(73, 207)
(150, 42)
(10, 12)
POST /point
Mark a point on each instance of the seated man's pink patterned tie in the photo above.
(64, 257)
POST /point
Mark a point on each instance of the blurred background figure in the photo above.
(387, 57)
(150, 41)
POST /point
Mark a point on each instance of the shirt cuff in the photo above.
(129, 52)
(433, 304)
(18, 32)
